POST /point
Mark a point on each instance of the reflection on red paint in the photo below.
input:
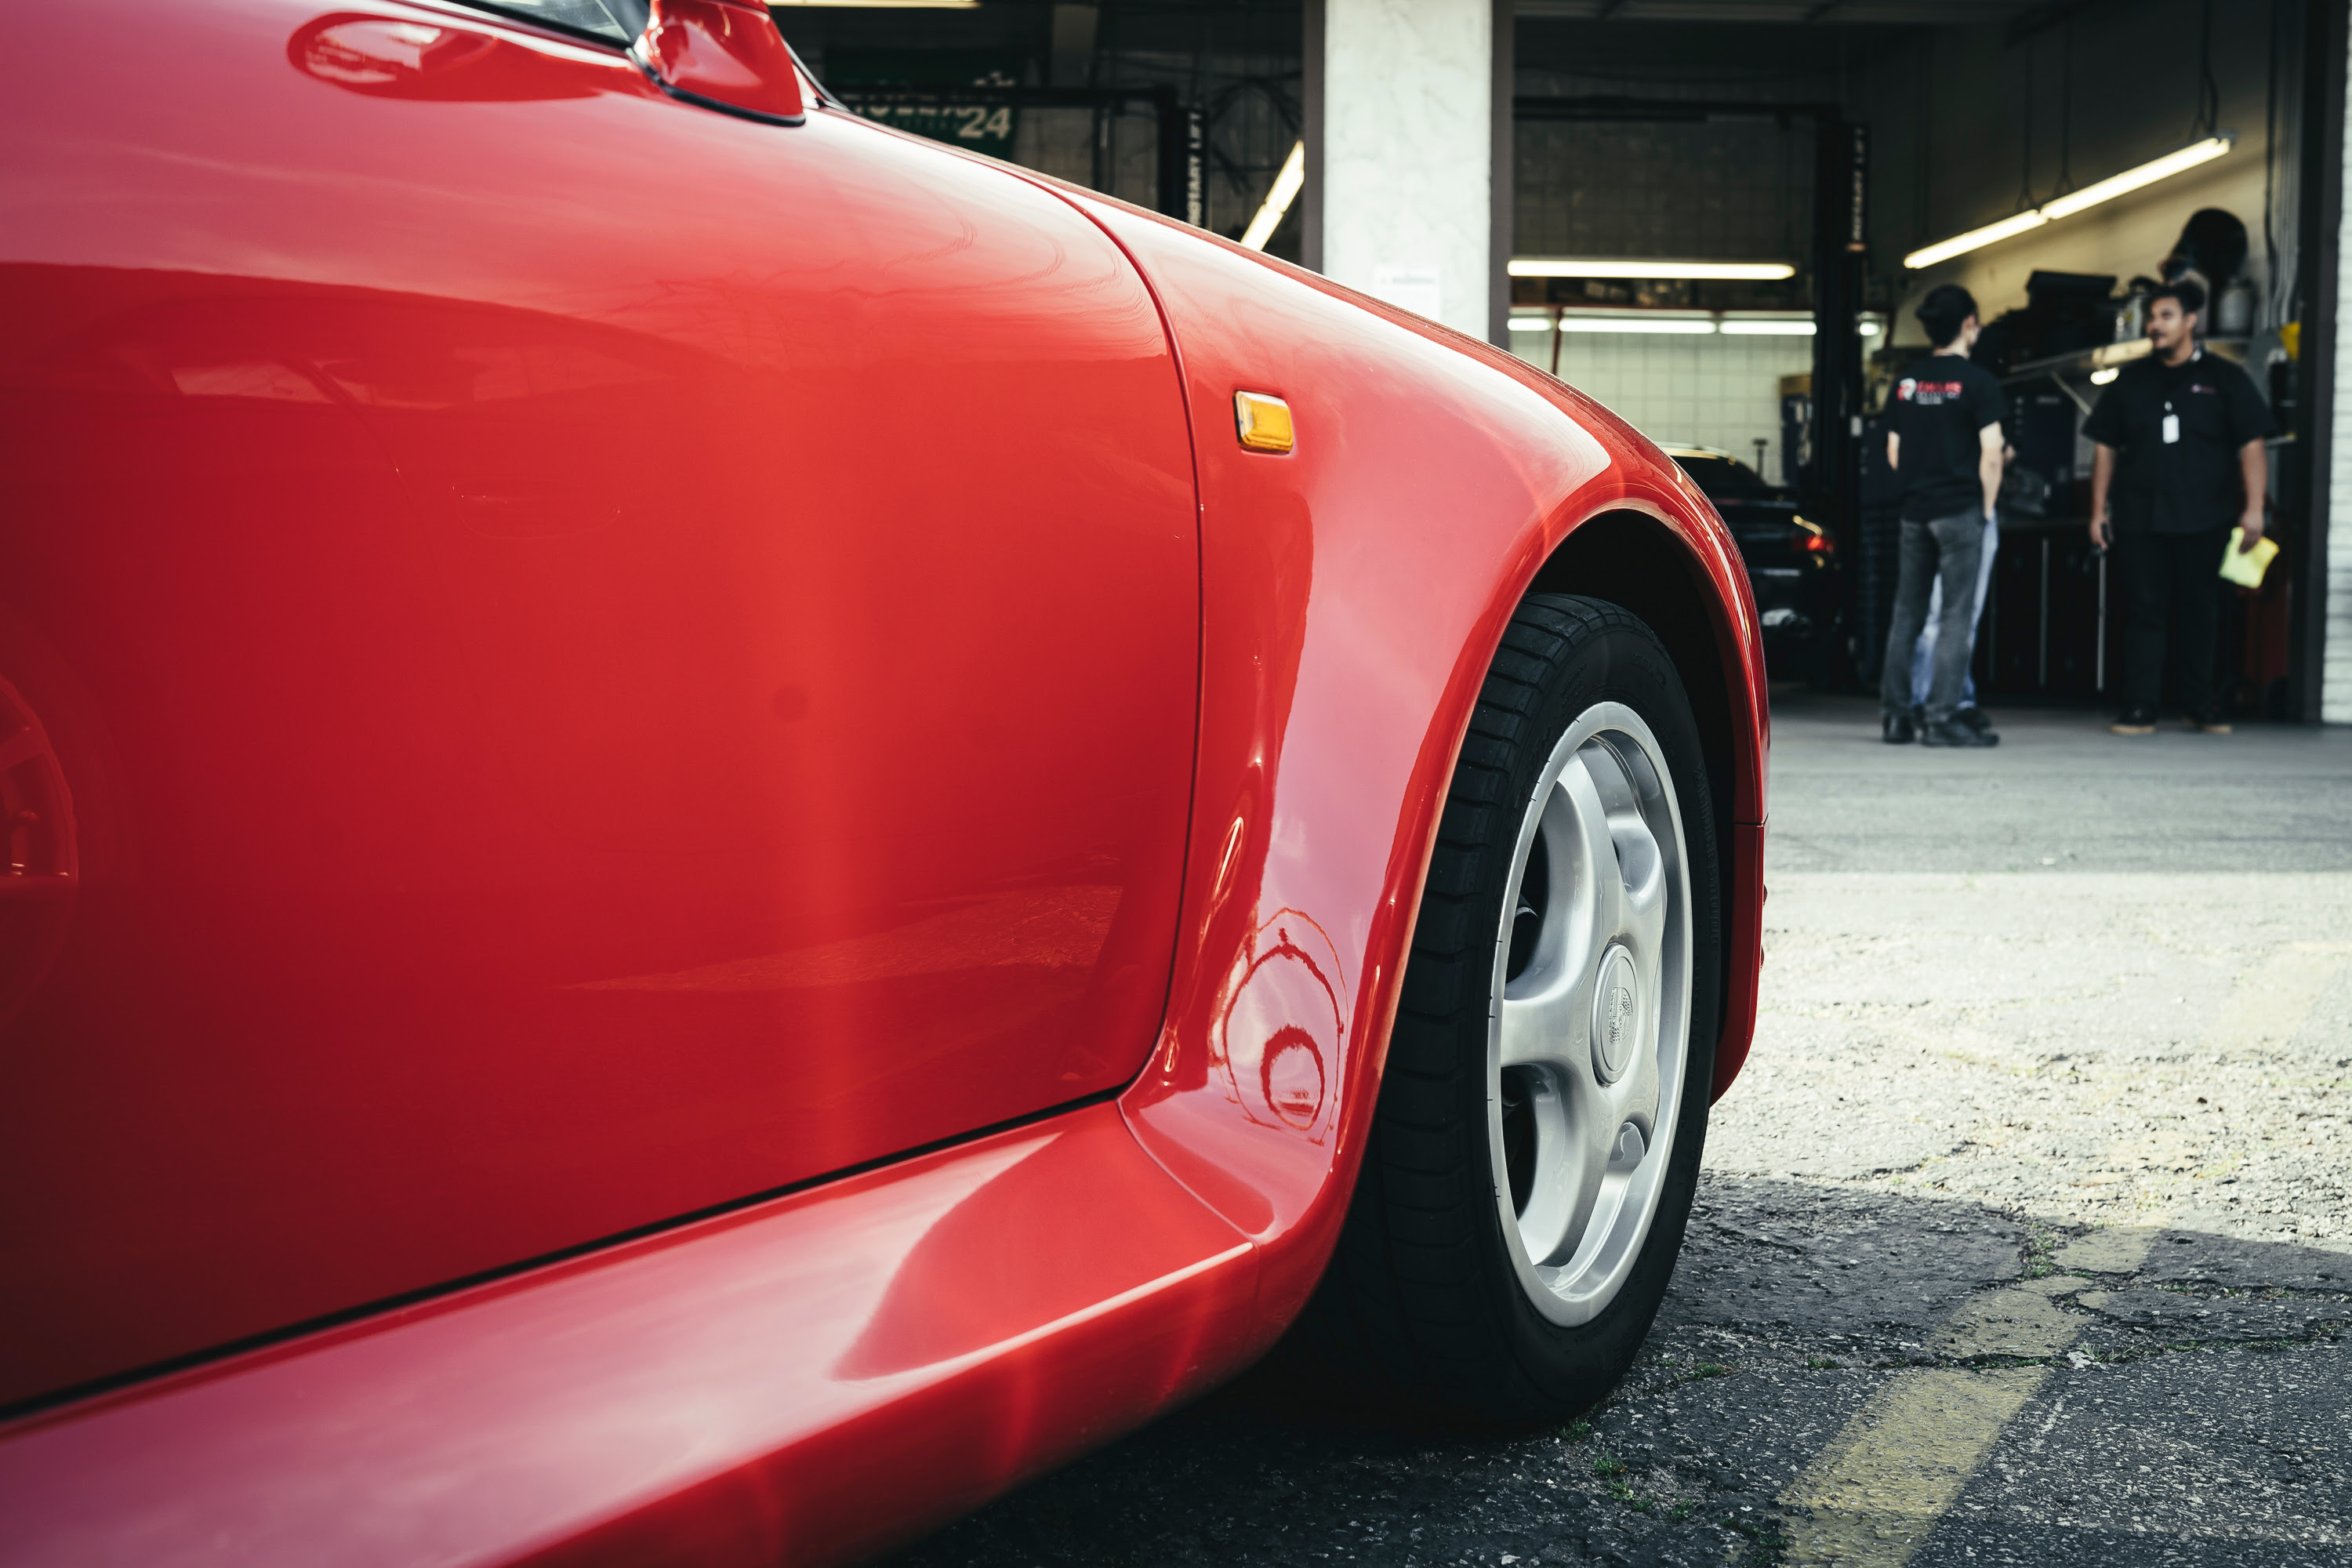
(387, 58)
(38, 858)
(1293, 1076)
(1282, 1034)
(969, 1281)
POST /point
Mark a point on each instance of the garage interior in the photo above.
(1837, 159)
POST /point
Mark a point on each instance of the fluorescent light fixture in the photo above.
(2101, 377)
(2114, 186)
(1961, 244)
(1277, 200)
(2073, 202)
(1684, 324)
(1733, 327)
(1615, 266)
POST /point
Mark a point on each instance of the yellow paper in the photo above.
(2246, 568)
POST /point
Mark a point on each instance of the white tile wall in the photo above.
(2335, 658)
(1710, 391)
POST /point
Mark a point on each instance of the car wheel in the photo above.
(1537, 1143)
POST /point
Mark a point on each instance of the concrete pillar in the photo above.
(2333, 519)
(1406, 204)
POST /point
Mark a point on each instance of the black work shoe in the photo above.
(1898, 728)
(1974, 718)
(2138, 719)
(1952, 732)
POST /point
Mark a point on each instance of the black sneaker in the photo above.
(2213, 721)
(2136, 719)
(1952, 732)
(1898, 730)
(1974, 718)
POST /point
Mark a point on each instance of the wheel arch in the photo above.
(1633, 559)
(1637, 561)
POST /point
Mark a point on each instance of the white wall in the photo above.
(1709, 391)
(1408, 131)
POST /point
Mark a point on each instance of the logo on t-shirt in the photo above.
(1927, 394)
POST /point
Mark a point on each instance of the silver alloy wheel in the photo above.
(1589, 1032)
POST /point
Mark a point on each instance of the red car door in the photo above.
(607, 658)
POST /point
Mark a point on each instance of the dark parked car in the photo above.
(1792, 562)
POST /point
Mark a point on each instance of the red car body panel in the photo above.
(800, 768)
(746, 1390)
(565, 751)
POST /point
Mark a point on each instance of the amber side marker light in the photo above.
(1263, 422)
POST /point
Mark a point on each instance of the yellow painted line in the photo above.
(2118, 1250)
(1879, 1488)
(2021, 1321)
(1871, 1497)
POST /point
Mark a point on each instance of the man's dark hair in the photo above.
(1947, 306)
(2187, 293)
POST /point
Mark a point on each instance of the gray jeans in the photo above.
(1923, 652)
(1945, 549)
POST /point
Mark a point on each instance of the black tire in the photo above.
(1422, 1290)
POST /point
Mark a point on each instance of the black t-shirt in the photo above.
(1938, 410)
(2190, 483)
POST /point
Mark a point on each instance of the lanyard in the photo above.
(2172, 426)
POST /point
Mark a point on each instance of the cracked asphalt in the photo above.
(2026, 1235)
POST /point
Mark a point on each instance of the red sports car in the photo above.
(723, 829)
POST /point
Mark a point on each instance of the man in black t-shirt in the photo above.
(1943, 441)
(2178, 459)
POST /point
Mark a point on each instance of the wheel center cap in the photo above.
(1616, 1015)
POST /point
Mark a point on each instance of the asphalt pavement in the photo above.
(2026, 1237)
